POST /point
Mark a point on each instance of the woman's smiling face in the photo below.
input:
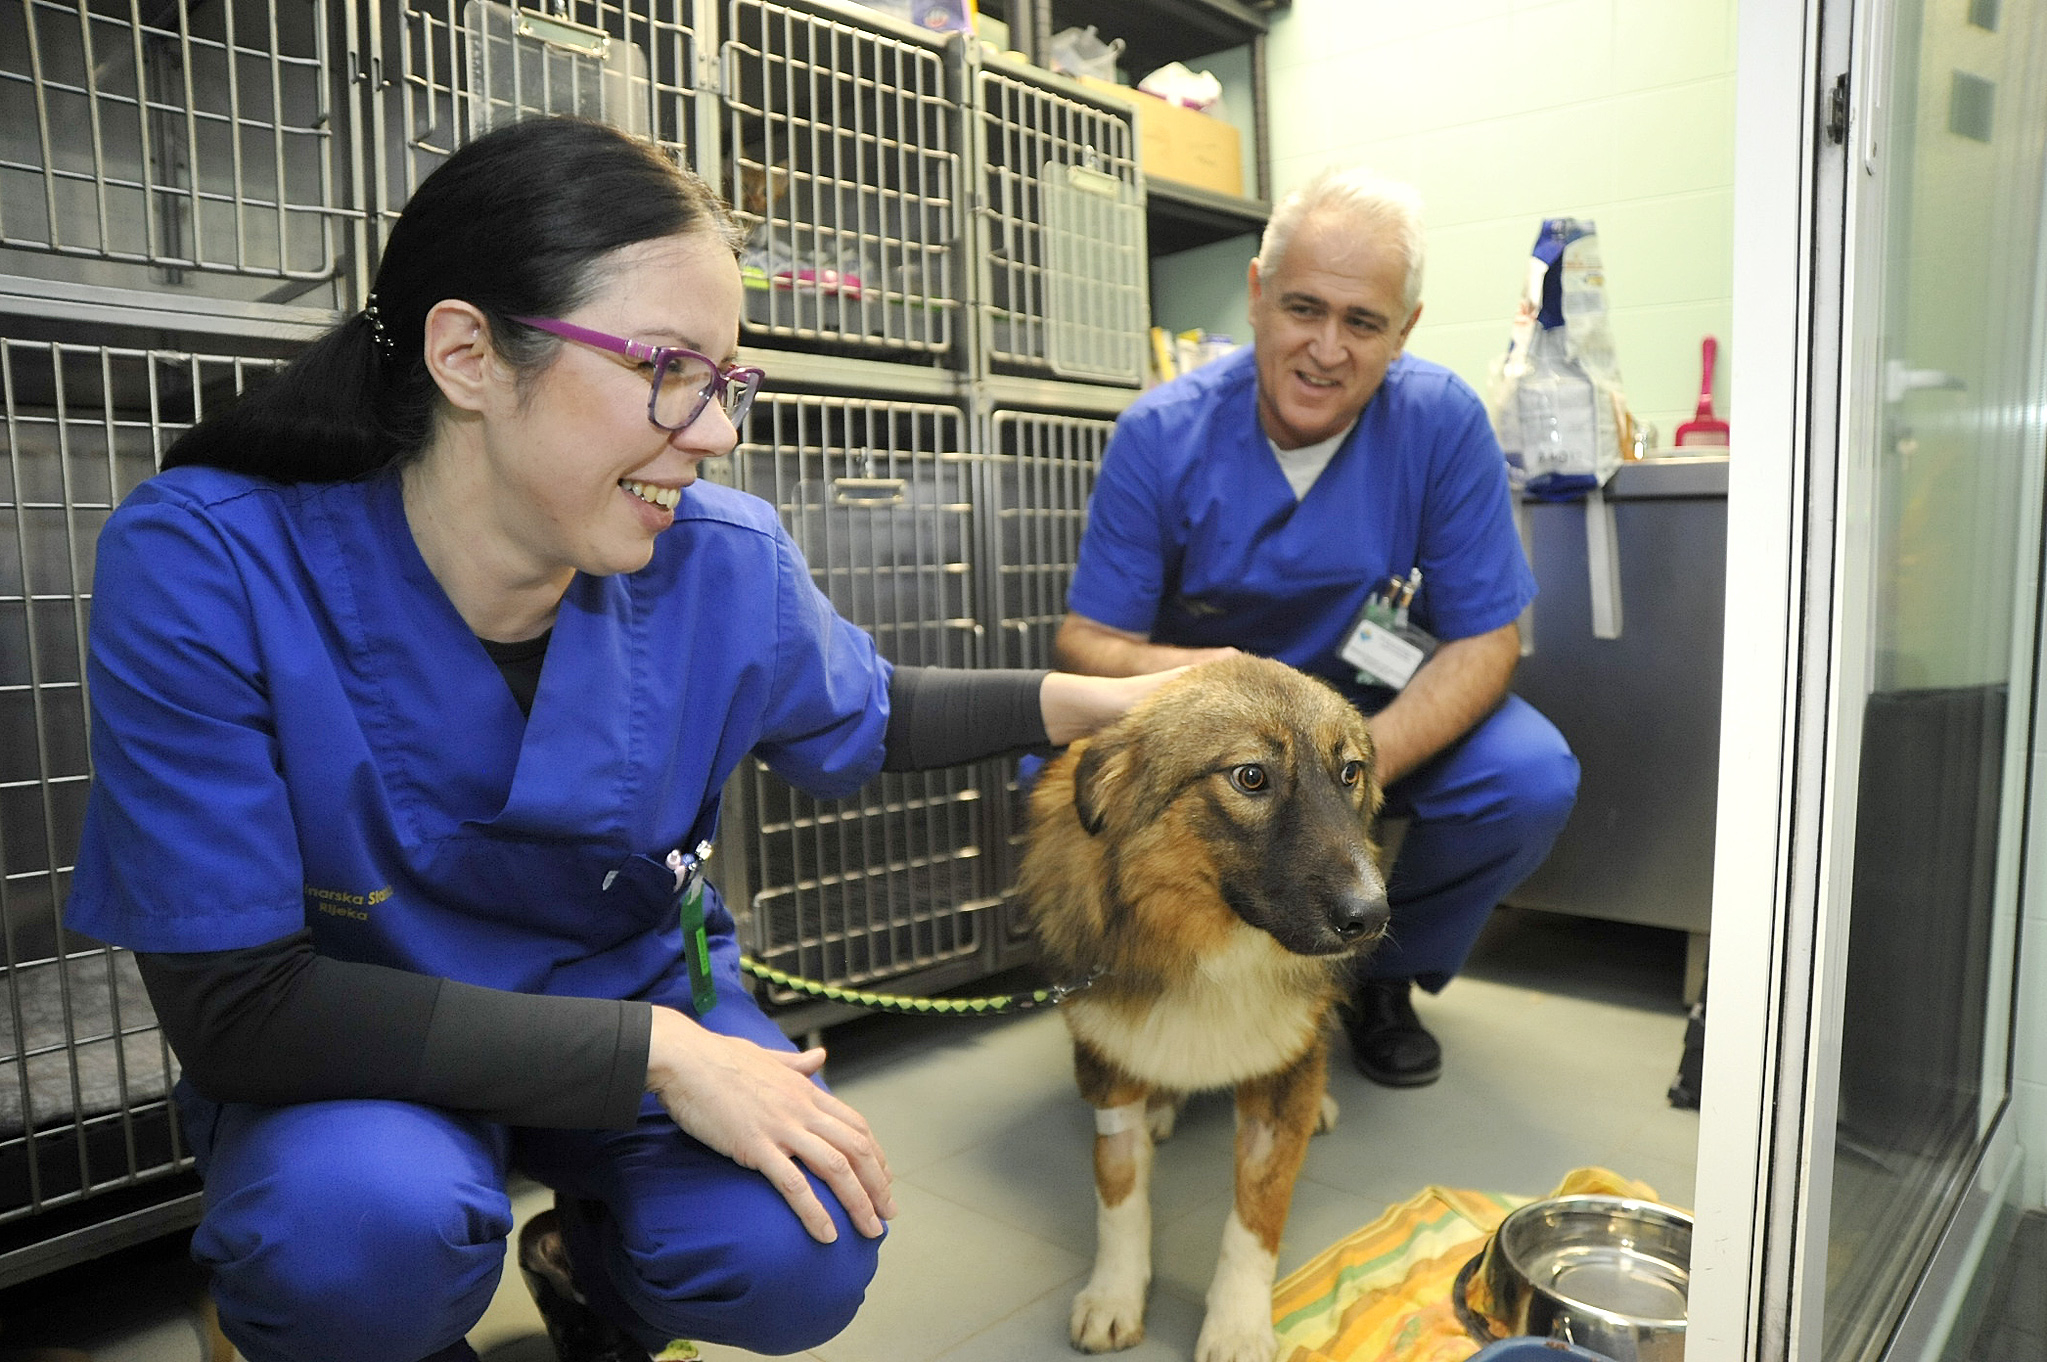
(582, 478)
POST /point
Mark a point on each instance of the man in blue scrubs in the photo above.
(1255, 504)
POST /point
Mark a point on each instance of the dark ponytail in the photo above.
(514, 224)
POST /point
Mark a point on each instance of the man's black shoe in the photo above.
(579, 1334)
(1387, 1040)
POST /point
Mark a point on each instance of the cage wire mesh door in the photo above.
(840, 159)
(1062, 234)
(463, 67)
(197, 148)
(85, 1073)
(1041, 474)
(892, 881)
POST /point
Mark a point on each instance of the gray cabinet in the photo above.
(1642, 711)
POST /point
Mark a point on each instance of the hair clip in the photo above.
(377, 331)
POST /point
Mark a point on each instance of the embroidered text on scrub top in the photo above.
(341, 903)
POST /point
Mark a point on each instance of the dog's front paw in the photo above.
(1325, 1120)
(1109, 1319)
(1240, 1340)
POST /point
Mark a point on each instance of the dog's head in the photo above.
(1259, 775)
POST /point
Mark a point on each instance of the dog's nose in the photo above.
(1357, 915)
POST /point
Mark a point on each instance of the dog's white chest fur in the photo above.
(1247, 1011)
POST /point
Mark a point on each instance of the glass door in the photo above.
(1872, 907)
(1942, 499)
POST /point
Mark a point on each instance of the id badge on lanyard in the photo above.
(696, 940)
(1380, 643)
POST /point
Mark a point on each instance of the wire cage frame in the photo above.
(193, 146)
(894, 880)
(85, 1072)
(1041, 471)
(447, 71)
(1061, 234)
(841, 157)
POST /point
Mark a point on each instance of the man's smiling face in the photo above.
(1328, 319)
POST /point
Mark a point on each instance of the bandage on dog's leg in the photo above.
(1108, 1314)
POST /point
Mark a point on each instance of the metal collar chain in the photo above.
(920, 1007)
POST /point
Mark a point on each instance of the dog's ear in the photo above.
(1099, 775)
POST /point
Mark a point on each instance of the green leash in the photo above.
(919, 1007)
(689, 906)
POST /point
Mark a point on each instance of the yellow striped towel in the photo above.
(1382, 1294)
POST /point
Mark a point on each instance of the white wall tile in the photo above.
(1675, 140)
(1670, 42)
(1541, 164)
(1311, 29)
(1296, 111)
(1472, 73)
(1475, 272)
(1677, 249)
(1564, 51)
(1465, 349)
(1658, 349)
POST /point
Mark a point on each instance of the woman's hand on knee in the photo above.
(759, 1108)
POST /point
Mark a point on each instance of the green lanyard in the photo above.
(696, 945)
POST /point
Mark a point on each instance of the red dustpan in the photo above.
(1705, 428)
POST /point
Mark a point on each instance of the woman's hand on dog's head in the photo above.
(1075, 706)
(758, 1107)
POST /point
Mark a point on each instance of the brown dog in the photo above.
(1209, 854)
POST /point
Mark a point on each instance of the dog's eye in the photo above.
(1352, 773)
(1250, 777)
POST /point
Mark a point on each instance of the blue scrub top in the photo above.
(1194, 537)
(293, 727)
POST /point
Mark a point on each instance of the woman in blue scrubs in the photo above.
(408, 675)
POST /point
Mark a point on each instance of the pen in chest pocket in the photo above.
(696, 942)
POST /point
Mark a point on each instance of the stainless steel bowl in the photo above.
(1607, 1273)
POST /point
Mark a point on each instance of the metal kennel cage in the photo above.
(85, 1073)
(1041, 472)
(1061, 231)
(188, 146)
(446, 71)
(840, 154)
(894, 881)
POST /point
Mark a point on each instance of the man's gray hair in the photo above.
(1387, 208)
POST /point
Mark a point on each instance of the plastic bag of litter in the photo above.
(1556, 399)
(1081, 52)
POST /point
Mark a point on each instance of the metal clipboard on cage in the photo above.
(1095, 304)
(521, 61)
(462, 67)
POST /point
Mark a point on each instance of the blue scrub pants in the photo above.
(1483, 813)
(371, 1231)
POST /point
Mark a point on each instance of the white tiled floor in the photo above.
(1560, 1042)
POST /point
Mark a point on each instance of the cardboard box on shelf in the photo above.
(1180, 144)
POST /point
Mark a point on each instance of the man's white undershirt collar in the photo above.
(1302, 466)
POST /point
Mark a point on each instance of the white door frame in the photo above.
(1741, 1284)
(1789, 723)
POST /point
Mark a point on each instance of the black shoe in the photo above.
(579, 1334)
(1387, 1041)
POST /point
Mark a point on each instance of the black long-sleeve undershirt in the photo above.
(280, 1023)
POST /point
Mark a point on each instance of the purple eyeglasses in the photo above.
(685, 382)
